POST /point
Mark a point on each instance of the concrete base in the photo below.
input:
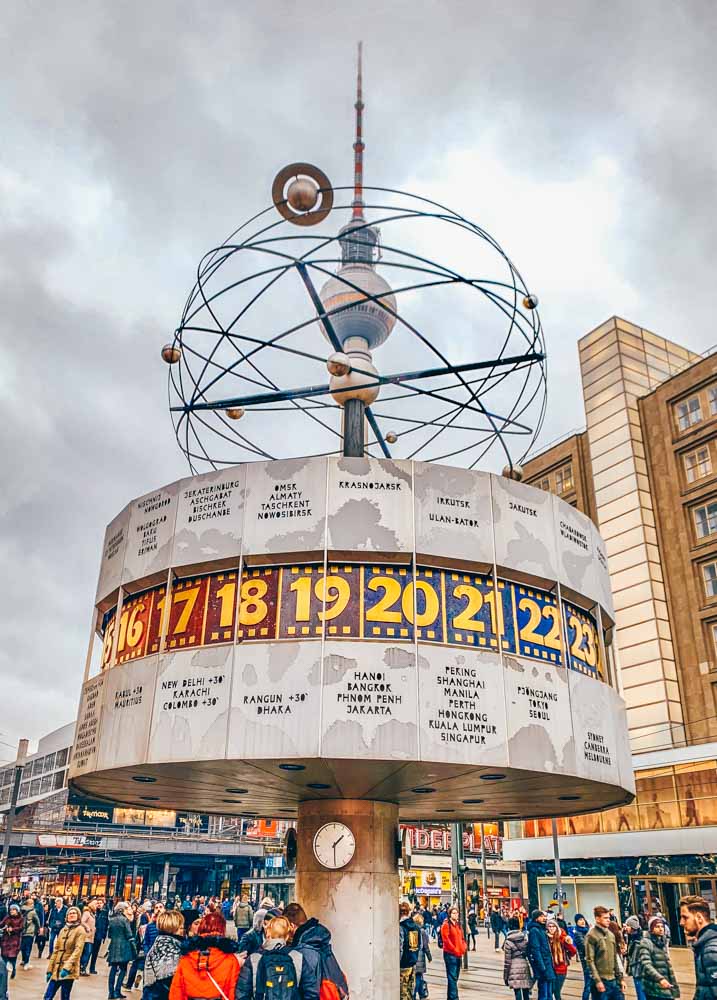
(358, 903)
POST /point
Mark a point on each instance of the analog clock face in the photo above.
(334, 845)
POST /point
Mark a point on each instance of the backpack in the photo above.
(411, 943)
(276, 976)
(332, 981)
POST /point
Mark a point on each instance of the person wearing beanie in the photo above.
(562, 950)
(656, 972)
(540, 955)
(580, 931)
(633, 933)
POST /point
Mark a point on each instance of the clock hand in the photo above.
(338, 841)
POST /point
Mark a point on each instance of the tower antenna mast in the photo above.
(358, 203)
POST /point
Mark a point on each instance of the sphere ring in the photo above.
(324, 188)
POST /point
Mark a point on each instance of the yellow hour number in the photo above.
(226, 596)
(252, 608)
(381, 611)
(528, 632)
(465, 620)
(188, 598)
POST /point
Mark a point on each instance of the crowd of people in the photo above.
(538, 951)
(195, 949)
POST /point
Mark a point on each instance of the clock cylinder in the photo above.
(367, 888)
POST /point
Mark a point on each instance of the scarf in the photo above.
(162, 958)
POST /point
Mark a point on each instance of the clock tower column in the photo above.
(359, 902)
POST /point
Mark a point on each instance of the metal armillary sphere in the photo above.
(274, 353)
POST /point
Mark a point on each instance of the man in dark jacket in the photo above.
(696, 920)
(497, 925)
(102, 919)
(539, 954)
(313, 940)
(56, 920)
(409, 950)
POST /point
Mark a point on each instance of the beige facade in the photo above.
(619, 363)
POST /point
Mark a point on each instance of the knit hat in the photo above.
(655, 920)
(535, 914)
(633, 923)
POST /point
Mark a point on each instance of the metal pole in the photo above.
(457, 864)
(133, 887)
(10, 821)
(354, 441)
(484, 876)
(165, 882)
(556, 856)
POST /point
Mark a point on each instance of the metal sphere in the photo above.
(391, 437)
(235, 412)
(338, 364)
(530, 301)
(513, 472)
(303, 194)
(171, 353)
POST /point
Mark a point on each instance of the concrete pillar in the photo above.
(358, 903)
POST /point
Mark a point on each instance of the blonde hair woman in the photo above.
(276, 962)
(163, 957)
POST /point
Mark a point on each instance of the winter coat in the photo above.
(160, 965)
(452, 939)
(601, 955)
(56, 918)
(202, 958)
(243, 915)
(306, 978)
(405, 927)
(517, 973)
(424, 953)
(102, 922)
(123, 947)
(539, 954)
(254, 939)
(31, 924)
(496, 921)
(313, 940)
(151, 932)
(579, 935)
(654, 962)
(11, 929)
(568, 950)
(68, 951)
(705, 951)
(89, 923)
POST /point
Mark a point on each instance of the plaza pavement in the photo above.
(484, 978)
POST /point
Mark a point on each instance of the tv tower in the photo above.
(366, 303)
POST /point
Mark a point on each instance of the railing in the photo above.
(158, 833)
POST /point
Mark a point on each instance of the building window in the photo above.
(712, 394)
(706, 519)
(564, 479)
(698, 464)
(709, 572)
(689, 413)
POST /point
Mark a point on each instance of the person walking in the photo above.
(11, 929)
(163, 956)
(497, 925)
(540, 955)
(122, 949)
(102, 921)
(243, 915)
(633, 933)
(562, 950)
(30, 929)
(656, 972)
(602, 957)
(580, 930)
(277, 971)
(454, 948)
(420, 989)
(697, 923)
(56, 919)
(208, 966)
(409, 945)
(517, 974)
(89, 924)
(472, 929)
(63, 967)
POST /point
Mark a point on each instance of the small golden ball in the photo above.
(235, 412)
(303, 194)
(391, 437)
(171, 353)
(338, 364)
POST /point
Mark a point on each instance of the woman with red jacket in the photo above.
(562, 950)
(209, 966)
(454, 947)
(11, 930)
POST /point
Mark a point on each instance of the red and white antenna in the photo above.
(358, 203)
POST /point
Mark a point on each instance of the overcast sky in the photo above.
(136, 135)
